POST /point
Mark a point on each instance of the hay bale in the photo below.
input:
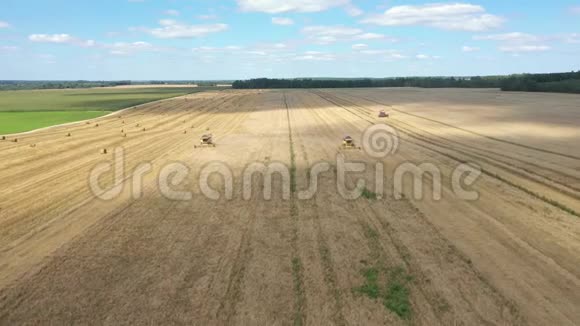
(103, 151)
(88, 122)
(185, 131)
(144, 129)
(15, 140)
(96, 125)
(3, 137)
(68, 135)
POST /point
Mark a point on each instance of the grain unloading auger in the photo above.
(206, 141)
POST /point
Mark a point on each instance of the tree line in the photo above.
(555, 82)
(48, 84)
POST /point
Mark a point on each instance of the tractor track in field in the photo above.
(227, 311)
(297, 267)
(329, 270)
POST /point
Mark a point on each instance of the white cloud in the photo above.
(386, 54)
(509, 37)
(51, 38)
(397, 56)
(467, 48)
(122, 48)
(280, 6)
(315, 56)
(4, 24)
(172, 29)
(451, 16)
(172, 12)
(207, 17)
(372, 36)
(427, 57)
(332, 34)
(119, 48)
(524, 38)
(517, 42)
(270, 47)
(575, 10)
(524, 48)
(255, 52)
(573, 38)
(86, 43)
(282, 21)
(353, 11)
(9, 48)
(62, 39)
(359, 46)
(264, 51)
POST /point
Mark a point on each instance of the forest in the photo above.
(553, 82)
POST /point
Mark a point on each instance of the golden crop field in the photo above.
(158, 252)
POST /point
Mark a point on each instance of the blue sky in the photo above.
(232, 39)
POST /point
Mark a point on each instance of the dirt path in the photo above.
(509, 258)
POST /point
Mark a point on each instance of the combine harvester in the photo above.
(383, 114)
(206, 141)
(348, 143)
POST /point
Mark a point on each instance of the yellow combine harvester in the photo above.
(206, 141)
(383, 114)
(348, 143)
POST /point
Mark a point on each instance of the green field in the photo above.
(32, 109)
(13, 122)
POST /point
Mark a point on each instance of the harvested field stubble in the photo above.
(508, 258)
